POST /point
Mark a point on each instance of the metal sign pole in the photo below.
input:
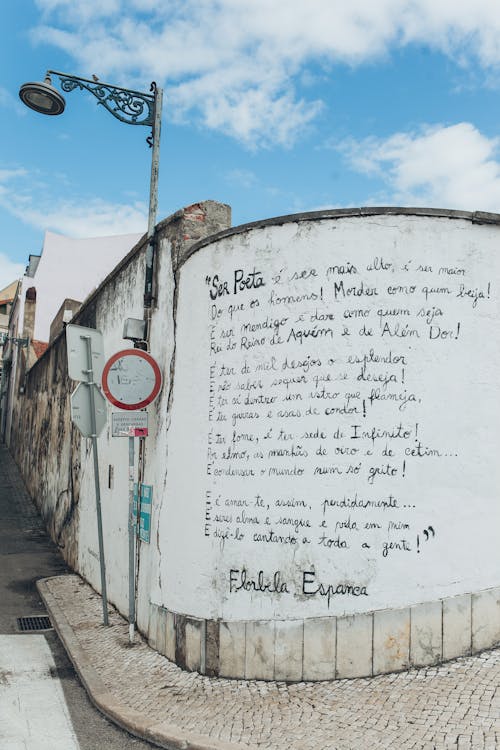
(90, 383)
(131, 379)
(131, 542)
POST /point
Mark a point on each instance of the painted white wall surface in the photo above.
(333, 445)
(123, 299)
(72, 268)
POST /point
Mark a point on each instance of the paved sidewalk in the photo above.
(456, 705)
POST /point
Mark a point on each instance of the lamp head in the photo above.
(42, 97)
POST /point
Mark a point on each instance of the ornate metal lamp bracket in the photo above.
(128, 106)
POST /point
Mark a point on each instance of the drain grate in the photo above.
(37, 622)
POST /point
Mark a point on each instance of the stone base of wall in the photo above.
(328, 648)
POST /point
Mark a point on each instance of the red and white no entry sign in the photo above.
(131, 379)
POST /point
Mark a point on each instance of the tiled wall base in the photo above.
(327, 648)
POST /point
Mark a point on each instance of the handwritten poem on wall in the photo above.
(301, 362)
(338, 396)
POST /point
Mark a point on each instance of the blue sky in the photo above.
(272, 107)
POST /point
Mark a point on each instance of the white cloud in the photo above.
(235, 64)
(78, 12)
(95, 218)
(10, 174)
(443, 166)
(24, 196)
(9, 270)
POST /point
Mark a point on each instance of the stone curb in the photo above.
(162, 733)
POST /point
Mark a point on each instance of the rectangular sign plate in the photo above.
(78, 359)
(145, 515)
(129, 424)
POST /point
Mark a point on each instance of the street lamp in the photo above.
(128, 106)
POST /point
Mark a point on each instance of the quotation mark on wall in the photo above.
(428, 533)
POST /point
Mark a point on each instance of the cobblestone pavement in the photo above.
(456, 705)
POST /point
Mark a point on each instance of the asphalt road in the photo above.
(27, 554)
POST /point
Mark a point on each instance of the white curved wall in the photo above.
(333, 441)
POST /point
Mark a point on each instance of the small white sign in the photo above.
(129, 424)
(78, 361)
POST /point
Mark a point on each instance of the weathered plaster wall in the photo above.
(57, 463)
(336, 398)
(47, 448)
(259, 314)
(332, 447)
